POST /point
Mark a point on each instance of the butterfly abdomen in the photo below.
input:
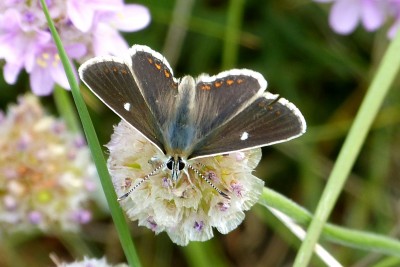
(181, 128)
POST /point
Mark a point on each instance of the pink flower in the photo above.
(87, 28)
(42, 186)
(345, 15)
(48, 69)
(188, 209)
(106, 38)
(395, 8)
(82, 13)
(17, 47)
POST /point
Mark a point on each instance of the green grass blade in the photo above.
(336, 234)
(369, 108)
(97, 154)
(232, 34)
(66, 108)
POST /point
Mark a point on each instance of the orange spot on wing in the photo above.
(218, 84)
(229, 82)
(239, 81)
(150, 60)
(158, 66)
(167, 74)
(206, 87)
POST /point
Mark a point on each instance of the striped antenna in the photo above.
(141, 181)
(209, 182)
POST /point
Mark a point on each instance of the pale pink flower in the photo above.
(189, 208)
(90, 262)
(44, 172)
(87, 28)
(346, 15)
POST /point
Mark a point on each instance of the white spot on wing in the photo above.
(127, 106)
(244, 136)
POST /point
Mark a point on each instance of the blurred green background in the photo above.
(325, 75)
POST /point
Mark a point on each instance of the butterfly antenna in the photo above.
(140, 182)
(209, 182)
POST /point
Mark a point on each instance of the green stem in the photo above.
(177, 30)
(232, 35)
(369, 108)
(9, 255)
(340, 235)
(66, 108)
(74, 244)
(204, 254)
(97, 153)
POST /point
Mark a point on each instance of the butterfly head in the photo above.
(175, 165)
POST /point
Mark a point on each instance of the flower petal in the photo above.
(81, 14)
(344, 16)
(131, 18)
(11, 72)
(372, 15)
(394, 29)
(58, 75)
(107, 40)
(41, 81)
(76, 50)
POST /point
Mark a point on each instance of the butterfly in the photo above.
(189, 118)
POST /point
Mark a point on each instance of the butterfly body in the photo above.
(180, 128)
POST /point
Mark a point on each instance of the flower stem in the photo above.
(97, 153)
(368, 110)
(232, 34)
(65, 108)
(336, 234)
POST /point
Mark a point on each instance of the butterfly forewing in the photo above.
(155, 79)
(111, 80)
(219, 98)
(266, 121)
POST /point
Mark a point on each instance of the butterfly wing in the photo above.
(155, 79)
(218, 98)
(267, 120)
(112, 81)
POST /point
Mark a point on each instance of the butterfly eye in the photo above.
(181, 164)
(170, 163)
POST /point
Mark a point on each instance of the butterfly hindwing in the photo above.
(266, 121)
(111, 80)
(218, 98)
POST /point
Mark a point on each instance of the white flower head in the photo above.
(46, 173)
(190, 208)
(90, 262)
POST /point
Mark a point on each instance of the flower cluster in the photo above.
(188, 209)
(87, 28)
(88, 262)
(46, 173)
(346, 14)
